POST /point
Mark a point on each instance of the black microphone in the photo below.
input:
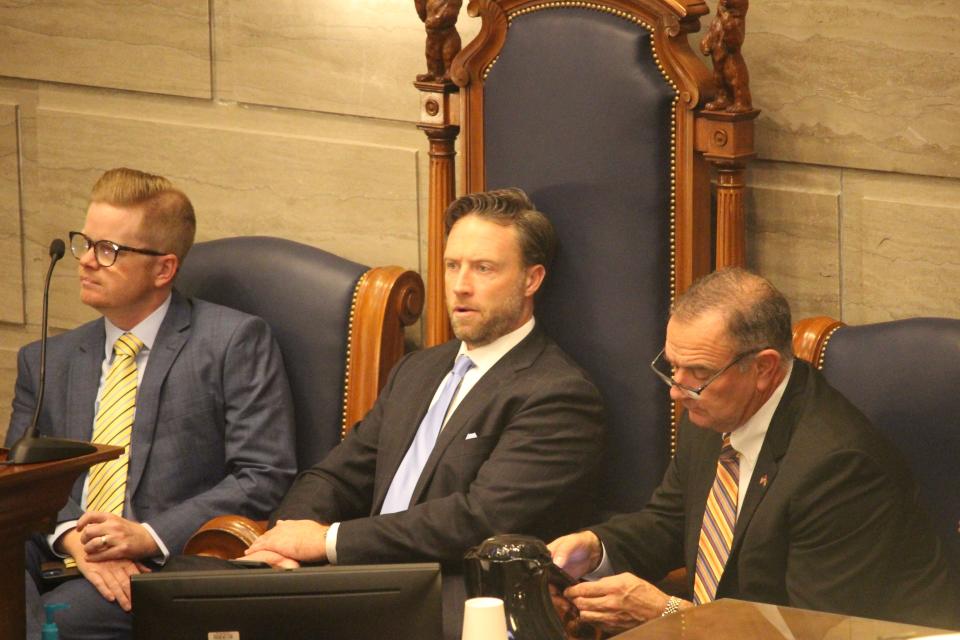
(33, 447)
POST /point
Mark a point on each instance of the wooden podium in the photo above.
(30, 497)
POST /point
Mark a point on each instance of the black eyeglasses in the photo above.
(664, 371)
(105, 251)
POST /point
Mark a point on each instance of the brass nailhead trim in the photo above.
(346, 369)
(823, 349)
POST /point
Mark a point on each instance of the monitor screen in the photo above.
(370, 602)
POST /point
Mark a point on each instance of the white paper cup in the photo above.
(483, 619)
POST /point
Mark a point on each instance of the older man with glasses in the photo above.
(195, 393)
(780, 490)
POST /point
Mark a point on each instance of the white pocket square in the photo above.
(470, 436)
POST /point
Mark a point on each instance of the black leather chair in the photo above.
(339, 326)
(904, 376)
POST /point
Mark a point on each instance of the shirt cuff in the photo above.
(604, 569)
(164, 552)
(58, 533)
(331, 542)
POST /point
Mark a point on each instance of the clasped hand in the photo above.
(106, 548)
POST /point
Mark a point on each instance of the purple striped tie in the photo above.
(718, 522)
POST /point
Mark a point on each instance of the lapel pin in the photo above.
(763, 481)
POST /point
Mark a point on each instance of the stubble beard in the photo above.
(501, 320)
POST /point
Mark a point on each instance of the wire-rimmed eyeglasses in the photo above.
(664, 371)
(106, 251)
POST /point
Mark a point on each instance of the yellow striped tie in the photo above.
(719, 519)
(107, 482)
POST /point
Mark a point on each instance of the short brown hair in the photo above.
(169, 223)
(509, 207)
(757, 314)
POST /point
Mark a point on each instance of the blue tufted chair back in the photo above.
(904, 376)
(305, 294)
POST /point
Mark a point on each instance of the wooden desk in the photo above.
(30, 497)
(739, 620)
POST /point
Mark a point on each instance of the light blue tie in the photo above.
(405, 480)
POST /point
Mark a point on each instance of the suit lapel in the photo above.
(83, 382)
(399, 434)
(768, 460)
(479, 398)
(173, 334)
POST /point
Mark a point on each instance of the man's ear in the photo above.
(768, 363)
(167, 267)
(533, 279)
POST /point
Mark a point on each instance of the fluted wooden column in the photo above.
(731, 247)
(726, 141)
(440, 121)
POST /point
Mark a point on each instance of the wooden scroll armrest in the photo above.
(810, 336)
(224, 537)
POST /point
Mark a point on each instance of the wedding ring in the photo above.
(103, 540)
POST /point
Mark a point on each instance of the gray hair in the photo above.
(757, 315)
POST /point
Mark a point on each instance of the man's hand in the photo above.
(301, 540)
(619, 602)
(106, 536)
(273, 559)
(577, 553)
(110, 577)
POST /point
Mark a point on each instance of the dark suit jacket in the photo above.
(538, 426)
(829, 521)
(213, 431)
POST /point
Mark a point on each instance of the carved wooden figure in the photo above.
(443, 42)
(722, 43)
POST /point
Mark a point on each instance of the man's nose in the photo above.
(462, 282)
(676, 394)
(89, 259)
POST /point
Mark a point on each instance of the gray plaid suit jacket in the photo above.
(213, 432)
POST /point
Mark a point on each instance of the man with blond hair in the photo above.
(195, 393)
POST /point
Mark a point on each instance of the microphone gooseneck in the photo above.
(57, 249)
(32, 447)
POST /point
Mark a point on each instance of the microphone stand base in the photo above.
(29, 449)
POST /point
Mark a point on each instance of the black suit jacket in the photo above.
(518, 455)
(829, 522)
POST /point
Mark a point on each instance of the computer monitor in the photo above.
(371, 602)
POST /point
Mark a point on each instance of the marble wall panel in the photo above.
(871, 84)
(11, 258)
(357, 58)
(792, 232)
(900, 242)
(158, 46)
(356, 199)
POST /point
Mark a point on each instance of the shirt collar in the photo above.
(146, 330)
(748, 438)
(489, 354)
